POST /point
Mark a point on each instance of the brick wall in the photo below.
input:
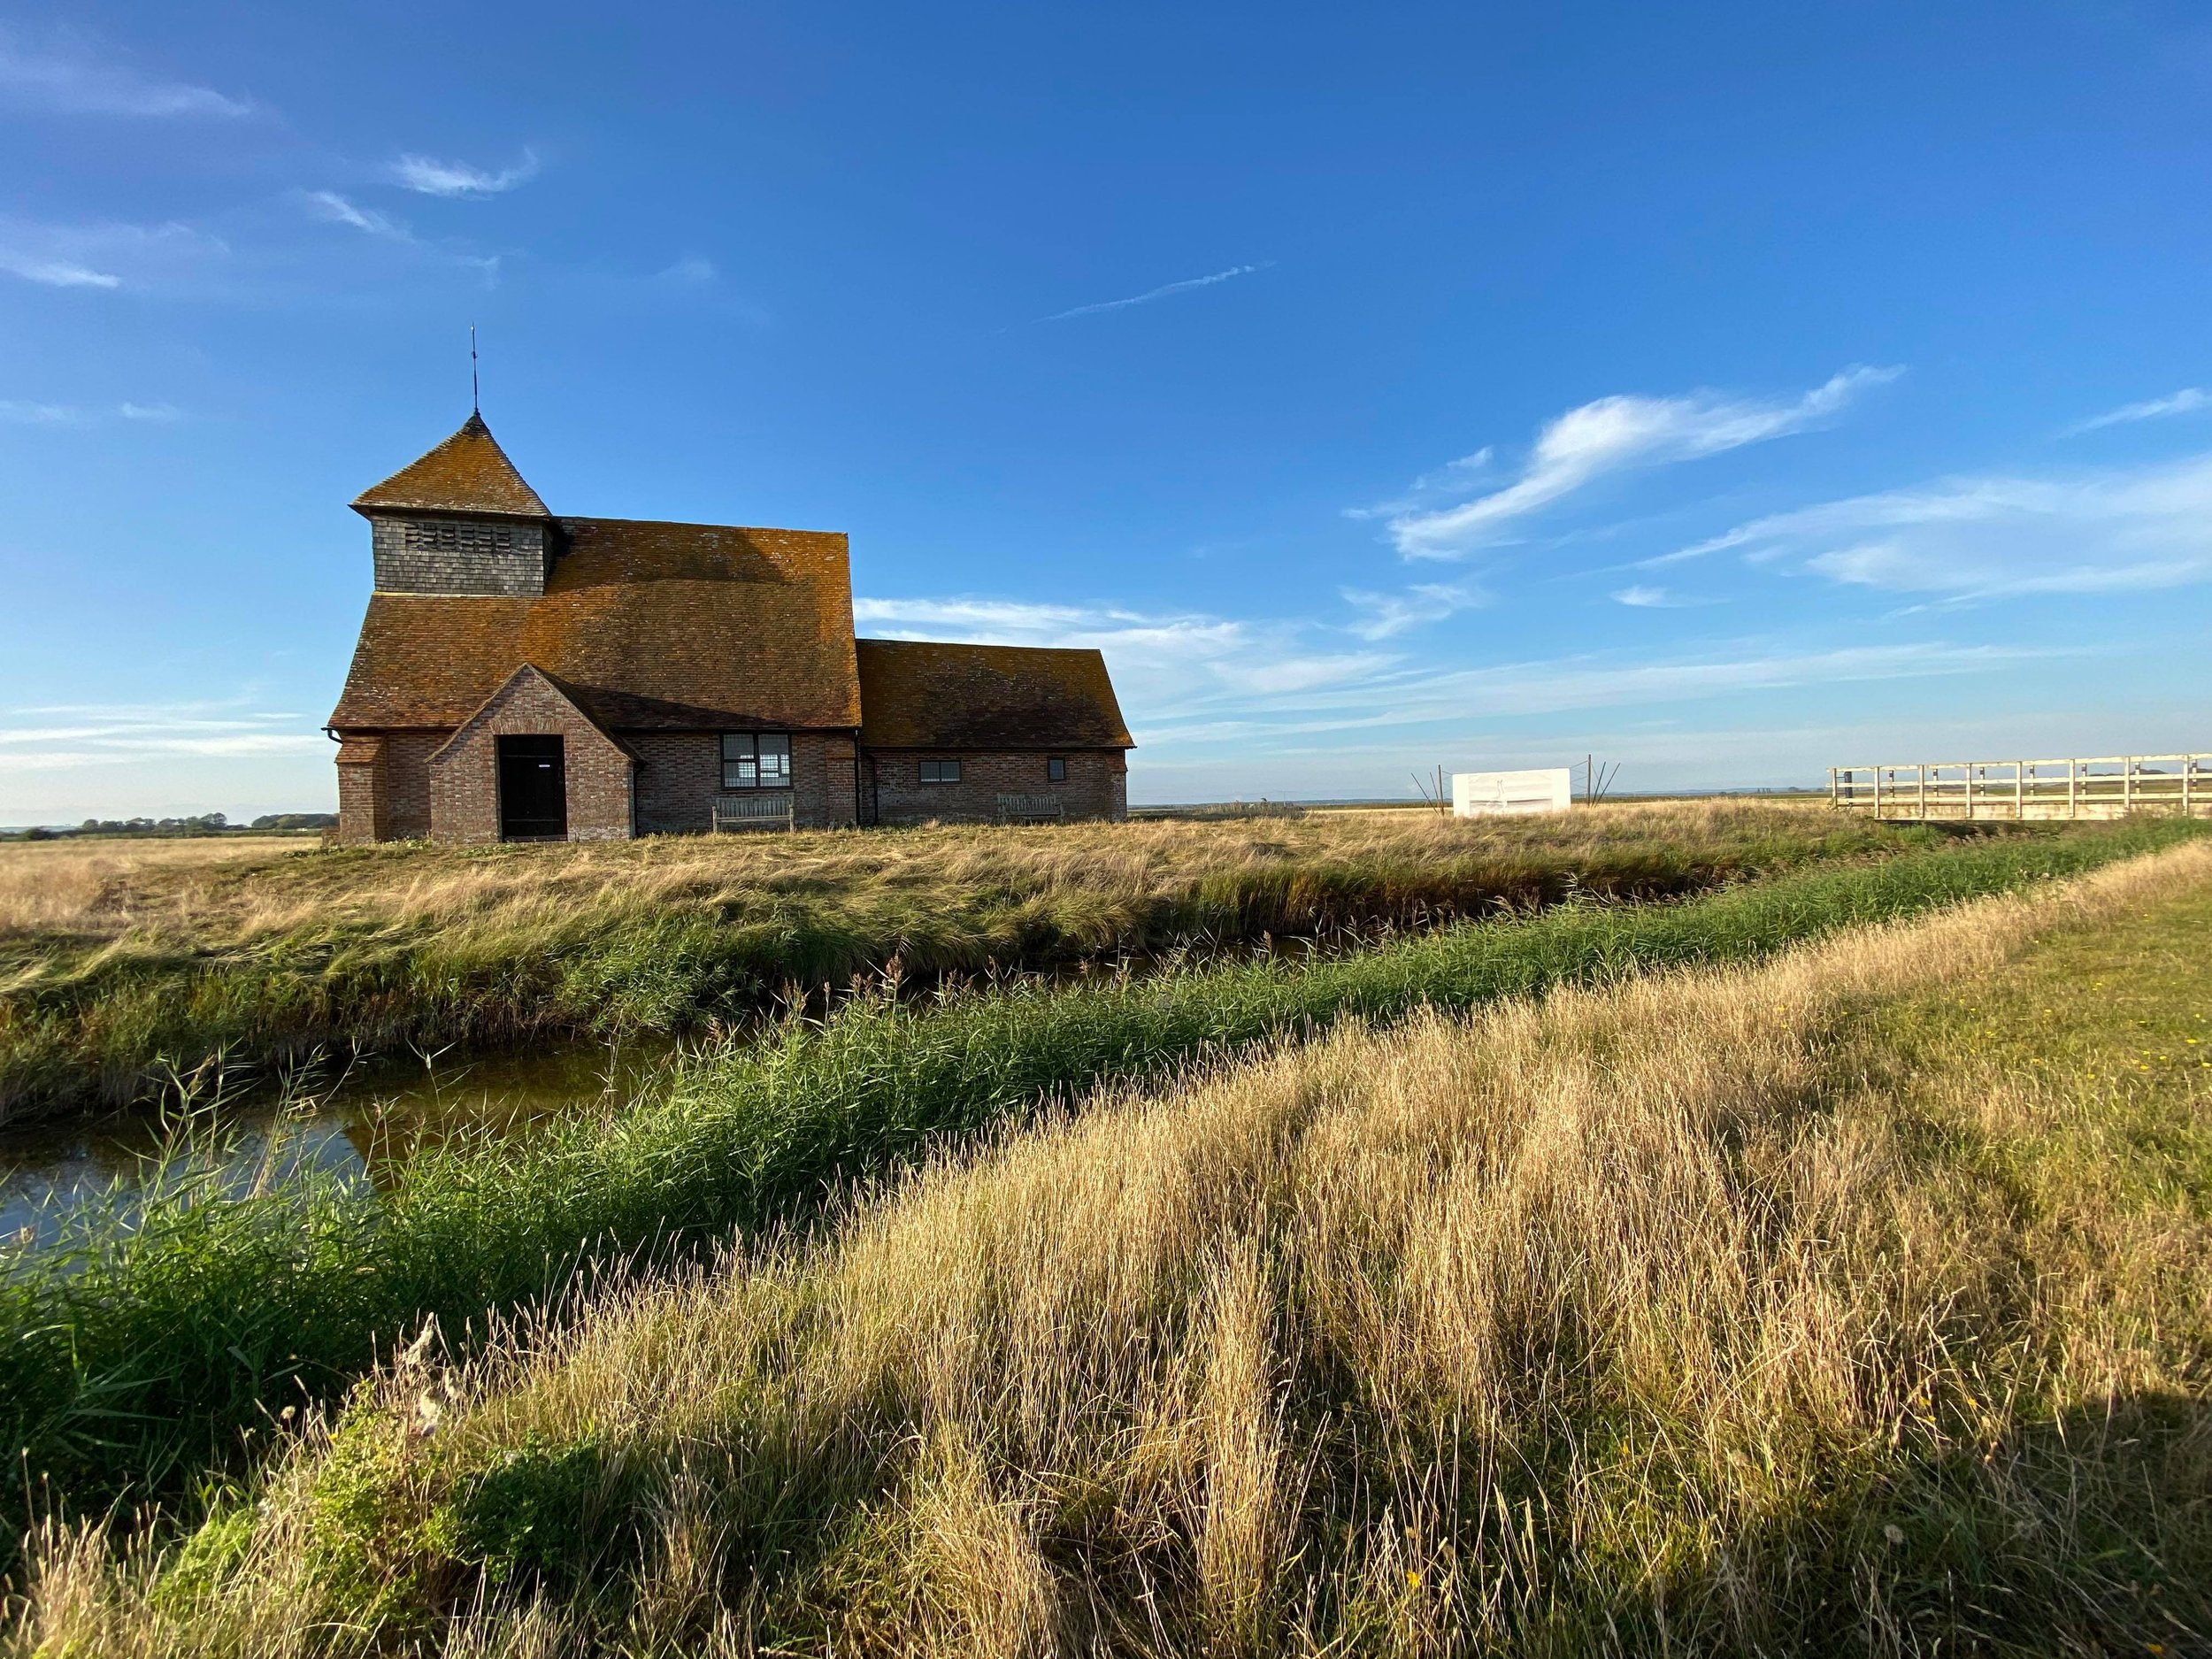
(361, 801)
(822, 776)
(458, 555)
(1096, 787)
(384, 786)
(681, 773)
(465, 775)
(677, 774)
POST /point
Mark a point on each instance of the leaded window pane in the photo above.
(756, 760)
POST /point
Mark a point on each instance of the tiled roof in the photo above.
(918, 694)
(646, 625)
(468, 473)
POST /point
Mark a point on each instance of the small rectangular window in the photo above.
(756, 760)
(941, 771)
(1057, 769)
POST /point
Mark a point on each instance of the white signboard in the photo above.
(1492, 793)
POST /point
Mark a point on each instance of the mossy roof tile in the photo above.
(922, 694)
(647, 625)
(468, 473)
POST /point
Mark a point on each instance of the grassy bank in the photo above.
(123, 966)
(1850, 1302)
(155, 1350)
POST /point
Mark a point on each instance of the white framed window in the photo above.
(756, 760)
(941, 771)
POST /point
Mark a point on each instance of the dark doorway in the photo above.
(533, 789)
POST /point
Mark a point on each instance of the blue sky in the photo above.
(1731, 390)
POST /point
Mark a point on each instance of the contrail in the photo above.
(1160, 292)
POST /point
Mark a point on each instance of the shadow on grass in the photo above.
(2090, 1533)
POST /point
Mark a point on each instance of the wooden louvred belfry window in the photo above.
(446, 537)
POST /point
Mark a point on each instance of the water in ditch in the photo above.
(361, 1124)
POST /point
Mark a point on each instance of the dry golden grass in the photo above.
(217, 891)
(123, 968)
(109, 887)
(1667, 1317)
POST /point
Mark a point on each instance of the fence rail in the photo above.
(2107, 786)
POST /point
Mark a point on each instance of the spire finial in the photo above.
(476, 403)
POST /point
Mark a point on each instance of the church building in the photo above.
(524, 677)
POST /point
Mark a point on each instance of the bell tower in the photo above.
(459, 520)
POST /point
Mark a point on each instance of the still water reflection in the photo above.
(360, 1124)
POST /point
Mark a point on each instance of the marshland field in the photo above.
(133, 970)
(1703, 1227)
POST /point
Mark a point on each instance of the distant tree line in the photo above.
(206, 824)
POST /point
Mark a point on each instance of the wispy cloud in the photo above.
(1385, 616)
(2187, 400)
(1241, 691)
(1972, 538)
(1411, 701)
(689, 270)
(337, 210)
(1643, 597)
(1453, 481)
(105, 256)
(334, 209)
(1160, 293)
(96, 735)
(1613, 434)
(55, 273)
(1173, 659)
(69, 79)
(18, 412)
(431, 177)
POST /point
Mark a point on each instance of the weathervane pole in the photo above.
(476, 403)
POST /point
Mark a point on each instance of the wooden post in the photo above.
(2020, 791)
(2073, 798)
(1878, 792)
(1970, 788)
(1923, 791)
(2127, 784)
(2188, 776)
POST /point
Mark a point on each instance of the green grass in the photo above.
(2064, 1100)
(260, 962)
(143, 1354)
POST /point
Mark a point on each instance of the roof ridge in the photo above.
(699, 524)
(978, 645)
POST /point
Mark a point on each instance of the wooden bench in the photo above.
(1030, 809)
(769, 810)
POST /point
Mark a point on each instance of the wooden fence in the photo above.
(2108, 786)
